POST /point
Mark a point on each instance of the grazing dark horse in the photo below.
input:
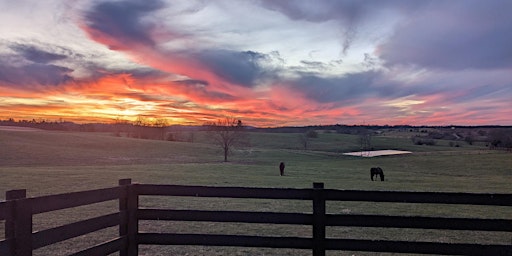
(281, 169)
(377, 171)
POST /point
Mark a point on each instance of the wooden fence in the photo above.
(21, 240)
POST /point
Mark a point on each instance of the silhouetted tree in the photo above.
(305, 138)
(501, 138)
(365, 139)
(120, 125)
(161, 125)
(227, 133)
(312, 134)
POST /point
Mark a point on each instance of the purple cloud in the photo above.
(454, 35)
(241, 68)
(32, 53)
(343, 89)
(34, 74)
(32, 65)
(123, 20)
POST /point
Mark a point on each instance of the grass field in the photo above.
(46, 162)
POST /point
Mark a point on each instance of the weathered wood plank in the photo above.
(420, 222)
(106, 248)
(417, 247)
(228, 192)
(225, 240)
(62, 201)
(331, 194)
(332, 219)
(58, 234)
(420, 197)
(226, 216)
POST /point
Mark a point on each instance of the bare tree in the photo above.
(227, 133)
(501, 138)
(161, 125)
(120, 125)
(365, 139)
(138, 127)
(305, 138)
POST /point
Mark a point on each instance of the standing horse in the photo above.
(281, 169)
(376, 171)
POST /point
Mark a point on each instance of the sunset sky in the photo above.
(268, 63)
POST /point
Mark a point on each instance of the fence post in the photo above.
(318, 219)
(128, 205)
(18, 224)
(123, 211)
(10, 220)
(133, 221)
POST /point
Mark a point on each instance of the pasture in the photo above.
(47, 162)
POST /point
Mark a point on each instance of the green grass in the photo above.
(55, 162)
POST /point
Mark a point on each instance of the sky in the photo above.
(268, 63)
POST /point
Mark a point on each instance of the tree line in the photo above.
(229, 132)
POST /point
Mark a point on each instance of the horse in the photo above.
(281, 169)
(376, 171)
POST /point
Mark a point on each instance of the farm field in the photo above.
(45, 162)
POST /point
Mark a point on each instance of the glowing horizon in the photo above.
(268, 63)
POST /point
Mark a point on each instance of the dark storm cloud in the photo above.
(200, 90)
(34, 74)
(476, 92)
(454, 35)
(122, 24)
(142, 73)
(123, 20)
(241, 68)
(35, 54)
(348, 88)
(192, 82)
(31, 64)
(354, 88)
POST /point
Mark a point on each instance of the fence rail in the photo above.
(21, 240)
